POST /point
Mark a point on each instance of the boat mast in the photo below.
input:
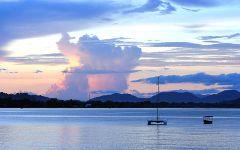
(158, 99)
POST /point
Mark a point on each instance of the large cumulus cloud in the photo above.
(95, 65)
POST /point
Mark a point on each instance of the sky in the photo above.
(71, 49)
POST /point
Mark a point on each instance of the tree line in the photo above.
(55, 103)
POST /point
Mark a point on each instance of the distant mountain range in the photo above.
(170, 97)
(176, 97)
(225, 99)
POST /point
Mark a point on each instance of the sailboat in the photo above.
(157, 121)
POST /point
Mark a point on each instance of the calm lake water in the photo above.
(117, 129)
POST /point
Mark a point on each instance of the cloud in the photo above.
(24, 19)
(191, 10)
(6, 71)
(175, 44)
(3, 69)
(231, 81)
(211, 41)
(94, 65)
(192, 54)
(202, 92)
(43, 59)
(13, 72)
(85, 71)
(197, 3)
(154, 6)
(38, 71)
(191, 57)
(231, 36)
(204, 3)
(195, 45)
(102, 92)
(194, 26)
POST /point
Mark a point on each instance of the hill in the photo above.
(22, 96)
(116, 97)
(174, 97)
(227, 95)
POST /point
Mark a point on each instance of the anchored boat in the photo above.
(207, 119)
(157, 121)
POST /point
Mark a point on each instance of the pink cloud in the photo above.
(94, 65)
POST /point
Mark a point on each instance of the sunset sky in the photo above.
(70, 48)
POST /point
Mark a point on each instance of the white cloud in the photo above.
(95, 65)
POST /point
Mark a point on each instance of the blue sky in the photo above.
(176, 37)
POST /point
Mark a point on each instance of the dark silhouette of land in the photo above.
(225, 99)
(173, 97)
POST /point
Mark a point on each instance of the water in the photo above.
(114, 129)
